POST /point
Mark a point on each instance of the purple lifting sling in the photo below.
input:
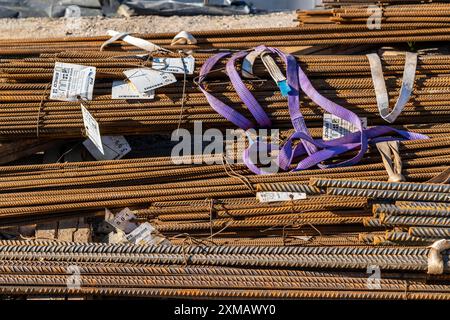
(316, 150)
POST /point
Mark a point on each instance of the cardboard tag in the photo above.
(71, 81)
(146, 79)
(175, 65)
(114, 147)
(126, 90)
(335, 127)
(92, 129)
(269, 196)
(142, 234)
(122, 221)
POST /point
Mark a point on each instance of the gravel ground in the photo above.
(91, 26)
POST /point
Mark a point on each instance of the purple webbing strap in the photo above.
(249, 100)
(351, 141)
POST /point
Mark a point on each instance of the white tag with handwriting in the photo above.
(71, 81)
(175, 65)
(92, 129)
(146, 79)
(126, 90)
(269, 196)
(114, 147)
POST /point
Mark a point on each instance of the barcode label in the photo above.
(114, 147)
(71, 81)
(269, 196)
(126, 90)
(335, 127)
(92, 129)
(175, 65)
(146, 79)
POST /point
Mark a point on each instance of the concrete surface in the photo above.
(285, 4)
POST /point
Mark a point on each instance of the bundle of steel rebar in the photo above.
(27, 110)
(414, 222)
(385, 190)
(227, 272)
(289, 38)
(380, 21)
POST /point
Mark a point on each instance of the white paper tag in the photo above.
(175, 65)
(146, 79)
(122, 221)
(126, 90)
(269, 196)
(142, 234)
(72, 80)
(114, 147)
(92, 129)
(335, 127)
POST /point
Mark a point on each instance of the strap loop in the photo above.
(390, 154)
(183, 38)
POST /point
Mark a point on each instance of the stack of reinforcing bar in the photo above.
(388, 13)
(230, 244)
(344, 3)
(200, 271)
(379, 21)
(211, 234)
